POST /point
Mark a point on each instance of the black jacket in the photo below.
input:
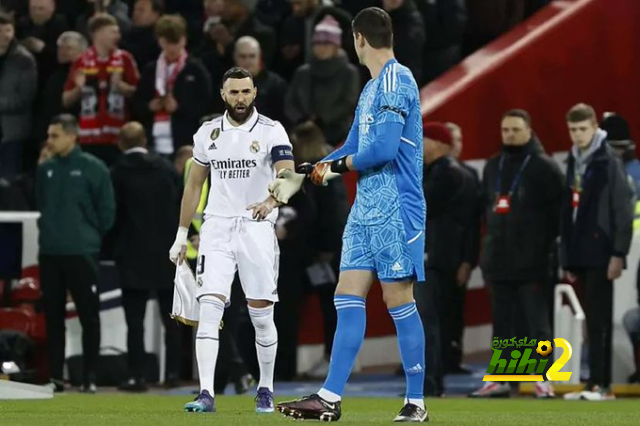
(271, 92)
(603, 225)
(471, 246)
(147, 192)
(450, 192)
(192, 91)
(142, 44)
(517, 245)
(408, 37)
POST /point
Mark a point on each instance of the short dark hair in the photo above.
(99, 21)
(68, 122)
(581, 112)
(518, 113)
(375, 26)
(171, 28)
(237, 73)
(7, 19)
(156, 5)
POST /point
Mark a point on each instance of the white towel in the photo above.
(185, 304)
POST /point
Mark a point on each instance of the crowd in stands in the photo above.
(101, 60)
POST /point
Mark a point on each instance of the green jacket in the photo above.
(75, 197)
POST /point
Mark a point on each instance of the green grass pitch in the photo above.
(133, 410)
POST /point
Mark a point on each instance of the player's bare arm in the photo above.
(190, 200)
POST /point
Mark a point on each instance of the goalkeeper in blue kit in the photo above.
(384, 236)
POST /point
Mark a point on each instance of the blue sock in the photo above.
(352, 320)
(411, 341)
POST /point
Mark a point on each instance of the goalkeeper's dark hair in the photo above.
(68, 122)
(236, 73)
(375, 26)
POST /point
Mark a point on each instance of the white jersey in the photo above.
(241, 162)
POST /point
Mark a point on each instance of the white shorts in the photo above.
(238, 244)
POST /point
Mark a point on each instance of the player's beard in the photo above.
(239, 116)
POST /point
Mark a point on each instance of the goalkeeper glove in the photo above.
(286, 185)
(322, 172)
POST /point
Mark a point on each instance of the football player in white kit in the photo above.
(241, 152)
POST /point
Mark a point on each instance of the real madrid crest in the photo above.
(215, 133)
(255, 147)
(199, 281)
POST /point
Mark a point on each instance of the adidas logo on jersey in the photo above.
(397, 267)
(213, 146)
(416, 369)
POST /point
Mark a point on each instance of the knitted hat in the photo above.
(438, 132)
(328, 31)
(617, 129)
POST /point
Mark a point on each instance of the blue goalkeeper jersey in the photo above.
(386, 140)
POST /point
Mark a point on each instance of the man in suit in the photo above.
(148, 194)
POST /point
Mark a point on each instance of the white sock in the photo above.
(418, 402)
(207, 344)
(266, 343)
(329, 396)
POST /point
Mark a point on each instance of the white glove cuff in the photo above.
(181, 235)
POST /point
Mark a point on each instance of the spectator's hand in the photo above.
(118, 83)
(80, 79)
(464, 274)
(34, 45)
(170, 103)
(291, 52)
(262, 210)
(195, 241)
(156, 104)
(615, 268)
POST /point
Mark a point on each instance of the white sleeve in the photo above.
(199, 148)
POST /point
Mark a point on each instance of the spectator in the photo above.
(192, 12)
(141, 41)
(16, 8)
(102, 80)
(75, 199)
(147, 191)
(470, 255)
(326, 89)
(115, 8)
(70, 46)
(174, 92)
(18, 86)
(408, 34)
(239, 16)
(39, 33)
(596, 231)
(490, 19)
(444, 25)
(216, 47)
(449, 190)
(271, 86)
(523, 188)
(309, 233)
(296, 34)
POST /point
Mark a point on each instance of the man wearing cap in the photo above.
(450, 192)
(326, 89)
(523, 188)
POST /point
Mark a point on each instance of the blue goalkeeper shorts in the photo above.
(392, 251)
